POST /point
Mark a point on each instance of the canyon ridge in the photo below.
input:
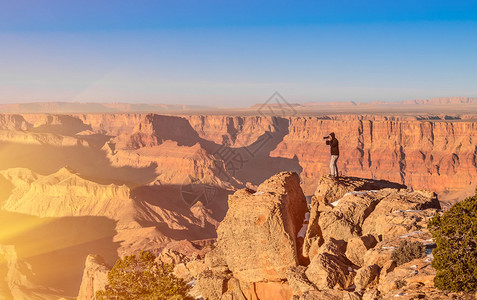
(114, 184)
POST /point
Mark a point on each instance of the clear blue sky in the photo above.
(236, 53)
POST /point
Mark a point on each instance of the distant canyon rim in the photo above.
(148, 178)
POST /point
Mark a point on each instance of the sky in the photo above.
(236, 53)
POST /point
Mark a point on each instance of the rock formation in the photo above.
(161, 178)
(95, 277)
(421, 151)
(128, 220)
(258, 236)
(254, 257)
(17, 278)
(423, 154)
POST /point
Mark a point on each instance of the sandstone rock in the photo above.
(258, 236)
(401, 212)
(417, 272)
(170, 256)
(268, 291)
(331, 246)
(332, 189)
(215, 261)
(387, 267)
(298, 281)
(234, 290)
(330, 295)
(95, 277)
(183, 251)
(345, 220)
(327, 271)
(314, 236)
(371, 295)
(358, 246)
(334, 247)
(212, 286)
(366, 277)
(181, 271)
(379, 255)
(401, 149)
(195, 267)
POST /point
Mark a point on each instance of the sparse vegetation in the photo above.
(140, 277)
(407, 251)
(455, 257)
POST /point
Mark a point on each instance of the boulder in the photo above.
(366, 276)
(328, 271)
(358, 246)
(258, 236)
(371, 295)
(195, 267)
(95, 277)
(211, 285)
(387, 267)
(215, 261)
(334, 247)
(331, 246)
(298, 281)
(400, 212)
(414, 275)
(181, 271)
(330, 295)
(327, 196)
(379, 255)
(234, 290)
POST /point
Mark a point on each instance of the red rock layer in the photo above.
(434, 155)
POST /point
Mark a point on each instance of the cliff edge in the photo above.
(270, 246)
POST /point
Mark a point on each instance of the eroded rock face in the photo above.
(366, 276)
(382, 212)
(259, 233)
(411, 151)
(95, 277)
(352, 238)
(298, 281)
(358, 246)
(330, 295)
(327, 196)
(328, 271)
(211, 285)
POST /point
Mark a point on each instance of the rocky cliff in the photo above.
(355, 226)
(159, 178)
(435, 152)
(421, 152)
(95, 277)
(436, 155)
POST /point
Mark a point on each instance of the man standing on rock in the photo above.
(335, 153)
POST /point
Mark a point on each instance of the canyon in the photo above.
(117, 183)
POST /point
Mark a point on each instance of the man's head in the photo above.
(332, 135)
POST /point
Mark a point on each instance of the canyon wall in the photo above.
(436, 155)
(434, 152)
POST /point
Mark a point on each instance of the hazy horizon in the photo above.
(231, 54)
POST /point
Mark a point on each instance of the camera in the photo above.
(326, 137)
